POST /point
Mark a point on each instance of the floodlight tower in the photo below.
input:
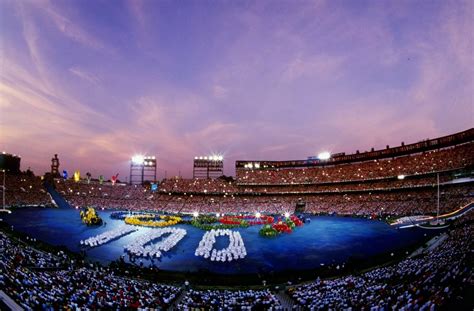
(142, 168)
(324, 156)
(208, 166)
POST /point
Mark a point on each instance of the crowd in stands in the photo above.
(181, 185)
(373, 201)
(431, 161)
(421, 283)
(414, 201)
(229, 300)
(106, 195)
(217, 186)
(24, 189)
(40, 280)
(373, 188)
(393, 183)
(395, 203)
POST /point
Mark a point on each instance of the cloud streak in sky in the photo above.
(91, 78)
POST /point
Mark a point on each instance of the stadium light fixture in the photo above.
(401, 177)
(258, 215)
(195, 214)
(287, 215)
(325, 155)
(138, 159)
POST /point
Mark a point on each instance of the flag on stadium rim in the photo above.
(77, 176)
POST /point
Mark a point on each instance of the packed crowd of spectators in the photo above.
(228, 204)
(422, 283)
(182, 185)
(218, 186)
(374, 188)
(406, 202)
(395, 203)
(432, 161)
(373, 201)
(40, 280)
(418, 169)
(24, 189)
(229, 300)
(105, 195)
(393, 183)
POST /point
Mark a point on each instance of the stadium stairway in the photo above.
(174, 306)
(58, 199)
(7, 303)
(285, 300)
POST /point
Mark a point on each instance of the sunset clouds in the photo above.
(97, 81)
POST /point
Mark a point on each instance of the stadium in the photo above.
(236, 155)
(386, 228)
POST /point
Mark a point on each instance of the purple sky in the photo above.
(98, 81)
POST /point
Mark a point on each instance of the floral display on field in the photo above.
(281, 226)
(151, 220)
(247, 220)
(271, 226)
(298, 222)
(207, 222)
